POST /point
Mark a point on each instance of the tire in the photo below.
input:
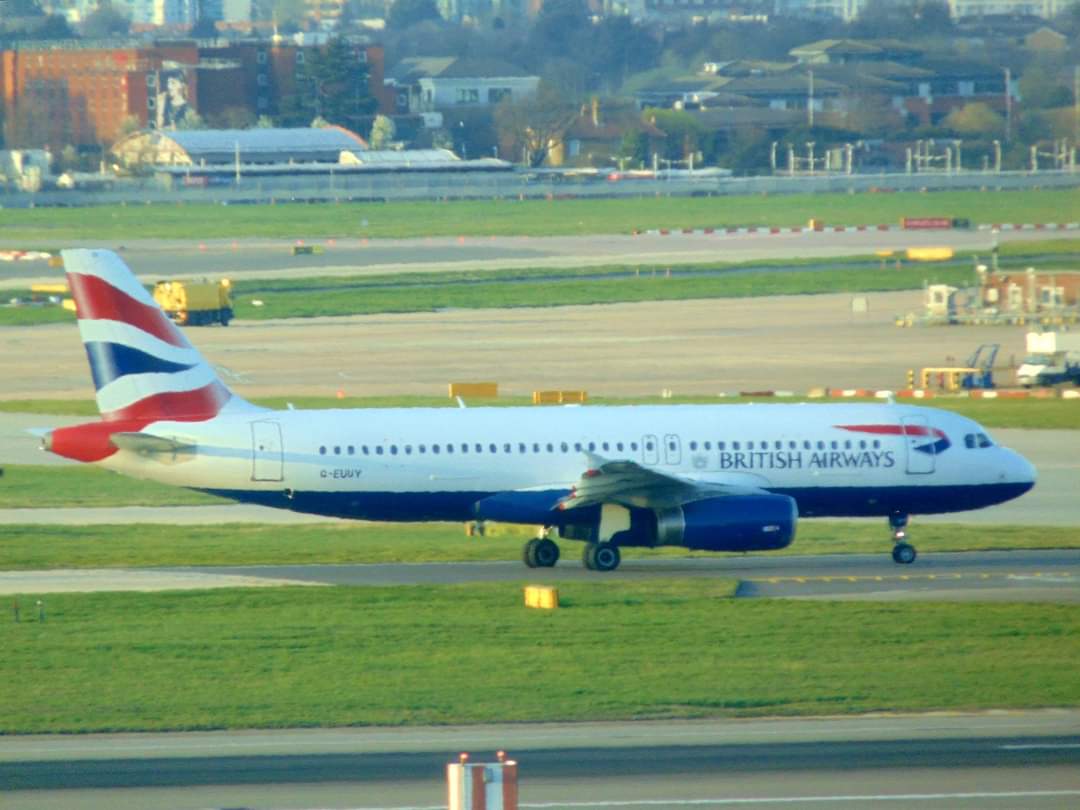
(606, 557)
(588, 556)
(545, 553)
(528, 553)
(904, 554)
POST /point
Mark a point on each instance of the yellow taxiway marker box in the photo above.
(486, 390)
(541, 596)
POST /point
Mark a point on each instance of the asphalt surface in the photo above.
(1001, 759)
(259, 258)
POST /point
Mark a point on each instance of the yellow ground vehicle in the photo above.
(196, 303)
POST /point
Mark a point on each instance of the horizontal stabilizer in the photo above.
(148, 444)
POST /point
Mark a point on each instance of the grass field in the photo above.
(34, 547)
(1035, 414)
(551, 287)
(54, 227)
(290, 657)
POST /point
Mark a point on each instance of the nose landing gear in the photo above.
(903, 553)
(540, 552)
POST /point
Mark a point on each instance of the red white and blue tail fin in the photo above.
(143, 366)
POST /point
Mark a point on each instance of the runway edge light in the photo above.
(482, 785)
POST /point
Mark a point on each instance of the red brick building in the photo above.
(54, 94)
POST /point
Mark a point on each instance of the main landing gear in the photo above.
(601, 556)
(903, 553)
(541, 552)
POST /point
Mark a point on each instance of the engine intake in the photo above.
(733, 523)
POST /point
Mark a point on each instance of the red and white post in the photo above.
(482, 785)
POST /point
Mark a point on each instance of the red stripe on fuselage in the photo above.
(893, 430)
(96, 299)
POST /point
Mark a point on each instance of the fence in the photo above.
(516, 185)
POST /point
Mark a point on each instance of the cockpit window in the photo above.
(969, 441)
(984, 441)
(977, 440)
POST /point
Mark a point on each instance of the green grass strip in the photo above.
(59, 226)
(40, 547)
(616, 650)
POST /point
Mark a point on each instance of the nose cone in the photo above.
(1021, 472)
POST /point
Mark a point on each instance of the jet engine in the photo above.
(731, 523)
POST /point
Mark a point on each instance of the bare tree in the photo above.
(533, 126)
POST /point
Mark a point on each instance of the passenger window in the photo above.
(435, 449)
(364, 449)
(821, 445)
(834, 445)
(862, 444)
(619, 446)
(494, 448)
(408, 449)
(523, 448)
(792, 445)
(605, 446)
(393, 449)
(708, 445)
(877, 443)
(422, 449)
(693, 445)
(778, 445)
(720, 445)
(352, 450)
(379, 450)
(550, 447)
(536, 447)
(633, 446)
(449, 448)
(577, 446)
(735, 445)
(847, 445)
(479, 447)
(806, 445)
(592, 447)
(322, 451)
(337, 450)
(464, 447)
(648, 445)
(564, 447)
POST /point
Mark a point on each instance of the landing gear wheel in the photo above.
(601, 557)
(540, 552)
(528, 553)
(546, 553)
(903, 554)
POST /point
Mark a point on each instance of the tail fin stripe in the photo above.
(124, 391)
(133, 338)
(109, 268)
(111, 361)
(180, 406)
(97, 300)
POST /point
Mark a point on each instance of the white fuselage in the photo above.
(402, 464)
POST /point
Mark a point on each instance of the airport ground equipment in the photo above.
(983, 361)
(196, 303)
(482, 785)
(1053, 358)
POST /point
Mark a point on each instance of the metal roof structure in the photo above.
(270, 145)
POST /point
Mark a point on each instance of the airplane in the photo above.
(706, 477)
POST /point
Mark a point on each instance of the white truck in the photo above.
(1053, 358)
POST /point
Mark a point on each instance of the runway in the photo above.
(987, 760)
(262, 258)
(1018, 576)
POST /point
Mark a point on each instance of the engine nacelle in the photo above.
(732, 523)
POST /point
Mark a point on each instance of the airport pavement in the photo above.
(262, 258)
(1018, 576)
(984, 760)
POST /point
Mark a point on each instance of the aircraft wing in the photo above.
(629, 484)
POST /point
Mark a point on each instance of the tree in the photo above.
(976, 119)
(1040, 91)
(531, 127)
(617, 49)
(560, 30)
(331, 83)
(105, 22)
(407, 13)
(683, 132)
(382, 133)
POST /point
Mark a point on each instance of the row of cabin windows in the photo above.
(551, 447)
